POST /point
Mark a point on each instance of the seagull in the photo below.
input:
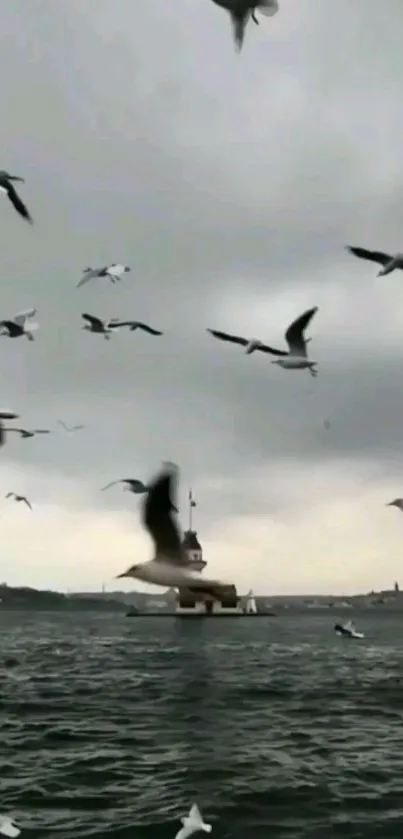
(115, 323)
(241, 10)
(389, 262)
(72, 427)
(9, 415)
(192, 823)
(169, 566)
(19, 498)
(132, 485)
(97, 325)
(8, 828)
(113, 272)
(24, 433)
(398, 502)
(295, 359)
(18, 326)
(7, 187)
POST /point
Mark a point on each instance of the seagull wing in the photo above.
(25, 500)
(374, 256)
(8, 415)
(112, 483)
(63, 424)
(158, 517)
(148, 329)
(268, 7)
(136, 486)
(266, 349)
(41, 431)
(21, 318)
(88, 275)
(10, 495)
(13, 328)
(17, 203)
(92, 320)
(225, 336)
(295, 333)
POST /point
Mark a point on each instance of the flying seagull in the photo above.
(97, 325)
(8, 828)
(71, 428)
(5, 415)
(295, 359)
(132, 485)
(115, 323)
(170, 565)
(114, 273)
(25, 433)
(19, 498)
(389, 262)
(192, 824)
(18, 326)
(398, 502)
(242, 10)
(7, 187)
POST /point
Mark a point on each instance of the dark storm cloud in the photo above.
(144, 139)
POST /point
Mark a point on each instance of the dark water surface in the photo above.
(277, 728)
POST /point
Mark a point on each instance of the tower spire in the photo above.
(192, 504)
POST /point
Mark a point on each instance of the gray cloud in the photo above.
(231, 185)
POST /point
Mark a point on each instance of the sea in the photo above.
(275, 727)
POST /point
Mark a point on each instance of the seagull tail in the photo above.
(207, 828)
(238, 25)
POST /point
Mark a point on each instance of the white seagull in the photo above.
(71, 427)
(242, 10)
(18, 326)
(19, 498)
(8, 828)
(389, 263)
(169, 566)
(295, 359)
(114, 273)
(6, 186)
(101, 327)
(192, 824)
(398, 502)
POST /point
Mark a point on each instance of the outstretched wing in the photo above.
(112, 483)
(17, 203)
(158, 517)
(41, 431)
(89, 275)
(295, 333)
(92, 320)
(25, 500)
(374, 256)
(22, 317)
(147, 328)
(225, 336)
(265, 348)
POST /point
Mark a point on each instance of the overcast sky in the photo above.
(231, 185)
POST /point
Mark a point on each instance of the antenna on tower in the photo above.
(192, 505)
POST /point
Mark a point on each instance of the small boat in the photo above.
(348, 630)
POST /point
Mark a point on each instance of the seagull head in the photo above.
(127, 268)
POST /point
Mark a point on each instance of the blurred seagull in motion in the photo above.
(18, 326)
(8, 828)
(99, 326)
(131, 485)
(242, 10)
(192, 824)
(390, 263)
(19, 498)
(70, 428)
(398, 502)
(295, 359)
(170, 564)
(114, 273)
(5, 415)
(7, 187)
(25, 433)
(115, 323)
